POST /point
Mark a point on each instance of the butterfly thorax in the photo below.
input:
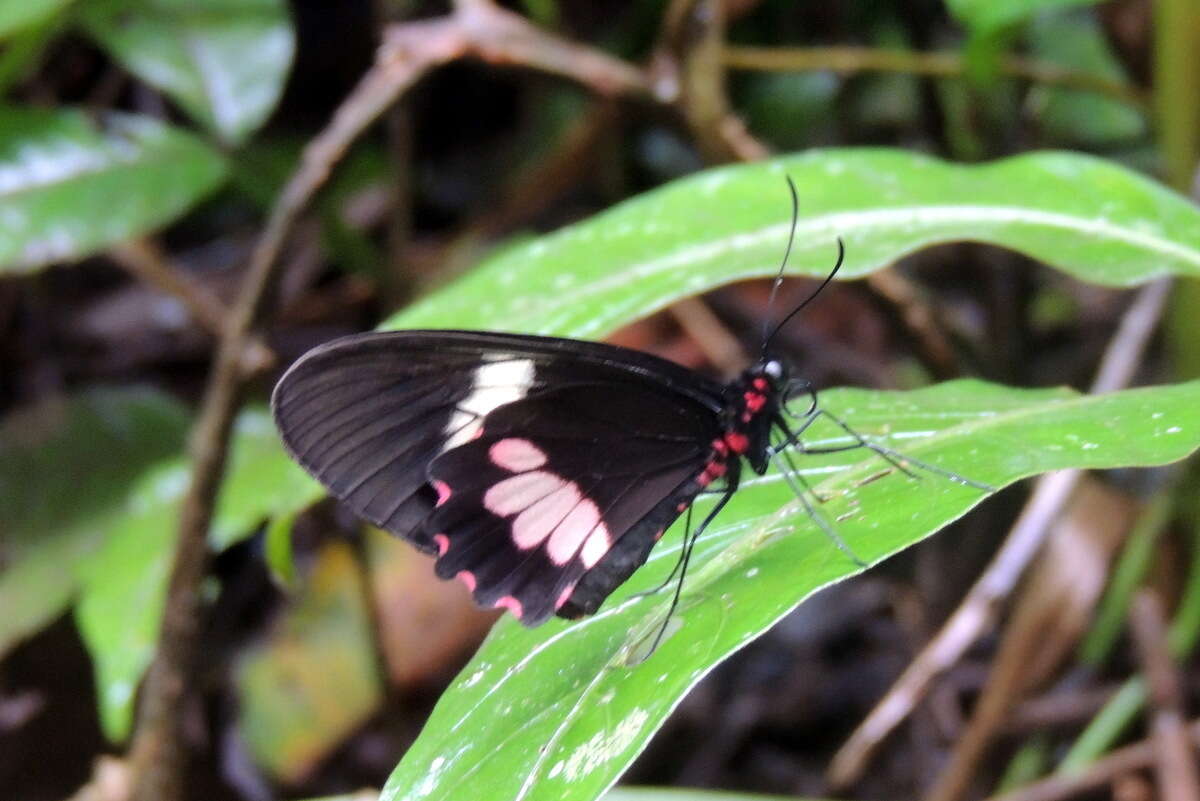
(751, 406)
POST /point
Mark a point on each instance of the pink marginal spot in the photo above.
(468, 578)
(511, 604)
(564, 596)
(516, 455)
(442, 542)
(443, 491)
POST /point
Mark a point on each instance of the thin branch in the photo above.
(978, 610)
(849, 60)
(1174, 761)
(1098, 775)
(143, 259)
(157, 753)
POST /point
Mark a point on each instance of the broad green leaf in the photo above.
(560, 711)
(1077, 41)
(1088, 217)
(315, 679)
(65, 470)
(61, 176)
(120, 607)
(224, 61)
(17, 15)
(984, 17)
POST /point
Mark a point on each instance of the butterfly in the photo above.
(541, 471)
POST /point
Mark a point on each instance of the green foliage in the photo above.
(224, 61)
(1086, 216)
(562, 710)
(63, 171)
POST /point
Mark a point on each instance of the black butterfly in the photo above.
(541, 471)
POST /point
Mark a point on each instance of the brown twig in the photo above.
(919, 317)
(978, 610)
(848, 60)
(688, 70)
(156, 756)
(1099, 774)
(146, 261)
(1174, 758)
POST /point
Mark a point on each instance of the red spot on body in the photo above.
(443, 491)
(658, 534)
(755, 401)
(746, 416)
(468, 578)
(442, 542)
(738, 442)
(759, 383)
(704, 479)
(715, 469)
(511, 604)
(681, 507)
(720, 447)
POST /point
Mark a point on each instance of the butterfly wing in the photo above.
(552, 459)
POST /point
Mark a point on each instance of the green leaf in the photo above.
(315, 679)
(60, 174)
(1088, 217)
(984, 17)
(560, 711)
(18, 15)
(224, 61)
(1077, 41)
(65, 470)
(120, 607)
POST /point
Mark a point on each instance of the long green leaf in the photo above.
(1088, 217)
(69, 187)
(560, 711)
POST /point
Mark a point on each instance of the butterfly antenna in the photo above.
(837, 266)
(783, 264)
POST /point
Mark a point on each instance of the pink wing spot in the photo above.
(564, 596)
(442, 542)
(658, 534)
(516, 494)
(443, 491)
(535, 524)
(516, 455)
(511, 604)
(737, 442)
(468, 578)
(570, 534)
(597, 544)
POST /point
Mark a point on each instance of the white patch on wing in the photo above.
(495, 383)
(516, 494)
(535, 524)
(516, 455)
(572, 532)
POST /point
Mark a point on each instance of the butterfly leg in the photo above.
(689, 543)
(897, 459)
(794, 480)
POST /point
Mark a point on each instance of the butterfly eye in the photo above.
(796, 388)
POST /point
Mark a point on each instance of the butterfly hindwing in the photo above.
(558, 482)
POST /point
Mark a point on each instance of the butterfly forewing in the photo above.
(531, 465)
